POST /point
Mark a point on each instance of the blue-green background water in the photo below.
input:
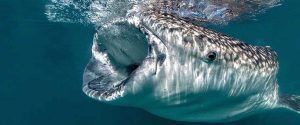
(41, 66)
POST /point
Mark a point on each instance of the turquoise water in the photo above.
(42, 64)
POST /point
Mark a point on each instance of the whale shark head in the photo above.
(177, 66)
(177, 57)
(180, 65)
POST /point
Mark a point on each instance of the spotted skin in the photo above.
(231, 50)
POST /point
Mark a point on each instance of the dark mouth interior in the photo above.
(125, 45)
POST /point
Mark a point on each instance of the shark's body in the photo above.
(190, 74)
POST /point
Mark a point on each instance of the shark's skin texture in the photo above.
(190, 74)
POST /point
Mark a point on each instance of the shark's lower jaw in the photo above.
(115, 58)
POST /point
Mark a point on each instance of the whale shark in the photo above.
(189, 73)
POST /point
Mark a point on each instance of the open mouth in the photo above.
(117, 52)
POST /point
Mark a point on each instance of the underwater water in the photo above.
(43, 58)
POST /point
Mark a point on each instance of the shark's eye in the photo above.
(211, 56)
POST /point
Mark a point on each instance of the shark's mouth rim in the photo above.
(101, 81)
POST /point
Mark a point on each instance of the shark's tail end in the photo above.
(291, 102)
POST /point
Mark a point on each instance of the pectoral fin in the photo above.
(291, 102)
